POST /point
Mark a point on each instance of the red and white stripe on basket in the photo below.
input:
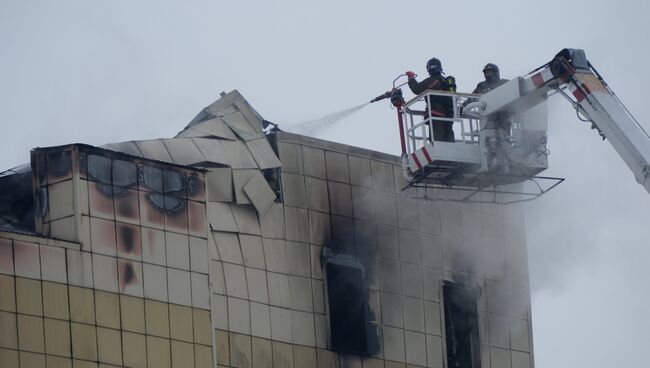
(421, 157)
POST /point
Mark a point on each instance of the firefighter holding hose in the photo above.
(440, 106)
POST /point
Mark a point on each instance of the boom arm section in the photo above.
(589, 95)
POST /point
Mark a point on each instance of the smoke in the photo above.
(312, 127)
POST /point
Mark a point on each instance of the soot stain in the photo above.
(127, 238)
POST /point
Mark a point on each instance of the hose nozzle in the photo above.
(381, 97)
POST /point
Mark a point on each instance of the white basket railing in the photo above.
(418, 122)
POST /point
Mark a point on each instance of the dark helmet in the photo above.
(434, 66)
(494, 68)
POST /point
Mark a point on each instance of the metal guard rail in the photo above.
(419, 130)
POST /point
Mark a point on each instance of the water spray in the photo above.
(311, 127)
(314, 126)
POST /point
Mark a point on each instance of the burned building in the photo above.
(229, 246)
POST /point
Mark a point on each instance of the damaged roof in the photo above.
(227, 134)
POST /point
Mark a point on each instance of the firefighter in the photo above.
(440, 106)
(492, 79)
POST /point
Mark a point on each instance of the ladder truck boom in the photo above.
(500, 143)
(590, 96)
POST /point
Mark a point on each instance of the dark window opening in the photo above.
(17, 200)
(273, 177)
(461, 326)
(349, 314)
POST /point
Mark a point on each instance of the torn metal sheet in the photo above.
(240, 178)
(154, 149)
(221, 217)
(219, 184)
(239, 157)
(241, 127)
(259, 193)
(191, 133)
(219, 107)
(215, 109)
(213, 150)
(184, 151)
(246, 218)
(214, 127)
(253, 117)
(228, 247)
(128, 147)
(263, 153)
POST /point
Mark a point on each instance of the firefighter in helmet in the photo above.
(440, 106)
(492, 79)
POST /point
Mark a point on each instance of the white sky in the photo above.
(105, 71)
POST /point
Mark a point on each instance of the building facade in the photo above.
(230, 247)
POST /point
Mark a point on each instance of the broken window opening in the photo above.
(461, 325)
(273, 177)
(349, 314)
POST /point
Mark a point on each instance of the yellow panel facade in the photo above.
(180, 323)
(9, 358)
(157, 314)
(8, 331)
(262, 353)
(202, 326)
(84, 341)
(34, 360)
(132, 312)
(127, 298)
(29, 297)
(105, 302)
(182, 354)
(107, 309)
(57, 337)
(55, 300)
(30, 333)
(7, 294)
(134, 348)
(58, 362)
(158, 352)
(203, 356)
(82, 305)
(109, 346)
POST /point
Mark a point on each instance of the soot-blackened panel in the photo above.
(461, 326)
(350, 327)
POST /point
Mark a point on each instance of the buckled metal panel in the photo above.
(263, 153)
(246, 219)
(184, 151)
(259, 193)
(220, 217)
(213, 150)
(154, 149)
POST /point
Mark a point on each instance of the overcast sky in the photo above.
(105, 71)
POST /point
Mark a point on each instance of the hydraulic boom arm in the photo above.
(589, 95)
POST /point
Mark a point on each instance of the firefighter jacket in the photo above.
(485, 86)
(440, 105)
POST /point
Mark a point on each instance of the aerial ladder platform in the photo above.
(502, 140)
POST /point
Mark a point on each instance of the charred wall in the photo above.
(346, 203)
